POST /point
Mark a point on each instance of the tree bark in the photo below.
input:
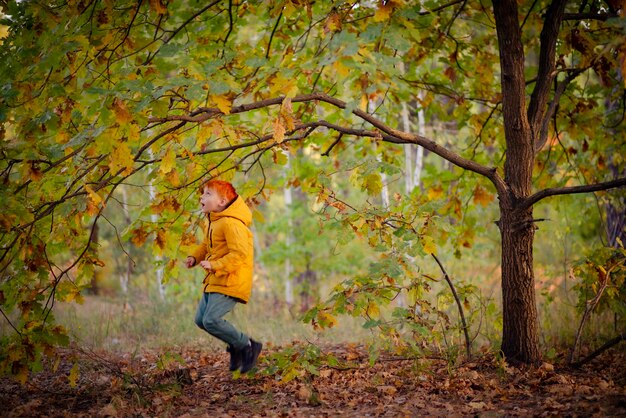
(520, 337)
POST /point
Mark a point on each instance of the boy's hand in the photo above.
(190, 262)
(206, 265)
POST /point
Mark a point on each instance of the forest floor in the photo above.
(197, 384)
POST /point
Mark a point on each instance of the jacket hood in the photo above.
(238, 210)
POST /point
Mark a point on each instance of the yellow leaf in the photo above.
(279, 131)
(174, 178)
(383, 12)
(223, 103)
(74, 375)
(257, 216)
(62, 137)
(435, 192)
(341, 69)
(168, 161)
(121, 158)
(282, 85)
(372, 310)
(134, 132)
(94, 197)
(482, 196)
(74, 294)
(4, 31)
(326, 320)
(429, 245)
(363, 103)
(204, 133)
(122, 115)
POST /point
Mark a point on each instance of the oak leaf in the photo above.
(94, 197)
(482, 196)
(121, 158)
(223, 103)
(122, 115)
(279, 131)
(139, 236)
(168, 161)
(434, 192)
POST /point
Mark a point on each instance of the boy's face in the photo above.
(211, 201)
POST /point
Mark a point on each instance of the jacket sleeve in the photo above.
(200, 251)
(239, 241)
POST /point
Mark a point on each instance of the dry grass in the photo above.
(110, 324)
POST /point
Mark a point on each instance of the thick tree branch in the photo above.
(531, 200)
(387, 133)
(547, 64)
(542, 138)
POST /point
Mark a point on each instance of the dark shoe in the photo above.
(250, 355)
(236, 357)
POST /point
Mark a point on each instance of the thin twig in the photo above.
(458, 302)
(590, 305)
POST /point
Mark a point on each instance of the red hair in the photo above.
(223, 188)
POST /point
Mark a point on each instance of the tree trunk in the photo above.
(520, 337)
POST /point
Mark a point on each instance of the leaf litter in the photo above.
(192, 383)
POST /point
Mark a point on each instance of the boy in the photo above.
(226, 255)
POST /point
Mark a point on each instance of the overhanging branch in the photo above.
(590, 188)
(386, 133)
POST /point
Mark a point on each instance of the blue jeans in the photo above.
(211, 309)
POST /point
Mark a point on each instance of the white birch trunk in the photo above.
(289, 297)
(419, 158)
(125, 276)
(408, 152)
(155, 218)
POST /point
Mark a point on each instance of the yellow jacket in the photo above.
(229, 248)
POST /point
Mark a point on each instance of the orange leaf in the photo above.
(122, 115)
(139, 236)
(482, 196)
(160, 238)
(279, 131)
(333, 23)
(158, 6)
(34, 172)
